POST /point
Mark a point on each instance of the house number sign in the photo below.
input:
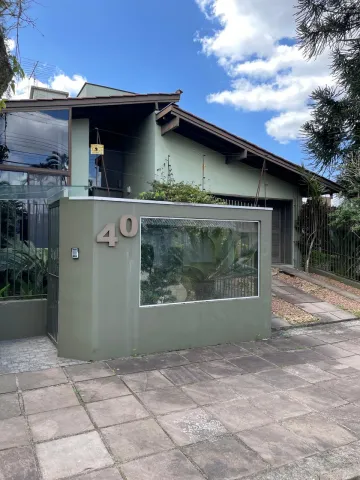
(108, 233)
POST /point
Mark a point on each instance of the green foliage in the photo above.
(347, 215)
(334, 130)
(180, 192)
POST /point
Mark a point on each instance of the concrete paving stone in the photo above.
(346, 415)
(319, 433)
(310, 372)
(247, 386)
(225, 458)
(88, 371)
(59, 423)
(327, 317)
(144, 381)
(123, 366)
(353, 361)
(8, 383)
(49, 398)
(316, 398)
(285, 344)
(18, 464)
(229, 350)
(341, 463)
(307, 340)
(293, 299)
(281, 379)
(42, 378)
(333, 351)
(275, 444)
(279, 406)
(107, 474)
(9, 406)
(337, 369)
(191, 426)
(116, 410)
(13, 433)
(312, 356)
(311, 307)
(350, 346)
(136, 439)
(220, 368)
(101, 389)
(239, 414)
(184, 375)
(346, 388)
(326, 307)
(167, 466)
(203, 354)
(343, 315)
(165, 360)
(257, 348)
(283, 359)
(166, 400)
(328, 336)
(252, 364)
(72, 456)
(295, 471)
(291, 290)
(211, 391)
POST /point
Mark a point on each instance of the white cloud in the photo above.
(286, 126)
(255, 43)
(10, 44)
(62, 82)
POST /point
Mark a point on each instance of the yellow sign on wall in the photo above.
(97, 149)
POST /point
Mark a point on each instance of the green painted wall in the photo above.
(186, 158)
(90, 90)
(99, 312)
(80, 152)
(22, 318)
(140, 161)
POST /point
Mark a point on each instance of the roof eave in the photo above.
(171, 111)
(168, 98)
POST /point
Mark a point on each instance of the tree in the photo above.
(13, 16)
(332, 26)
(311, 216)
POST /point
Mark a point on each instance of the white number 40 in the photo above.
(108, 234)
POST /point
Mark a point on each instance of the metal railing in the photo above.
(332, 248)
(23, 249)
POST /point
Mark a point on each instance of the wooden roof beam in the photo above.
(171, 125)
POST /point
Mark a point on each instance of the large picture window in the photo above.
(189, 260)
(37, 139)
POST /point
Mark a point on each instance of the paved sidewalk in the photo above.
(286, 408)
(309, 303)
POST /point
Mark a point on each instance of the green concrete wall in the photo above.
(186, 157)
(22, 318)
(139, 168)
(99, 312)
(90, 90)
(80, 153)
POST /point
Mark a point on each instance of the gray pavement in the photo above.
(277, 409)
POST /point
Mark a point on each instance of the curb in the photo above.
(312, 324)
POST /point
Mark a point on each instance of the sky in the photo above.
(235, 60)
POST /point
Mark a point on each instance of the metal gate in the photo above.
(53, 272)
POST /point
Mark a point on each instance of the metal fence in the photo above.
(327, 247)
(23, 249)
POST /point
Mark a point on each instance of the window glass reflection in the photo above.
(35, 139)
(188, 260)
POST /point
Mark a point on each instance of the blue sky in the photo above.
(149, 46)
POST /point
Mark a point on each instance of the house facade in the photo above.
(45, 146)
